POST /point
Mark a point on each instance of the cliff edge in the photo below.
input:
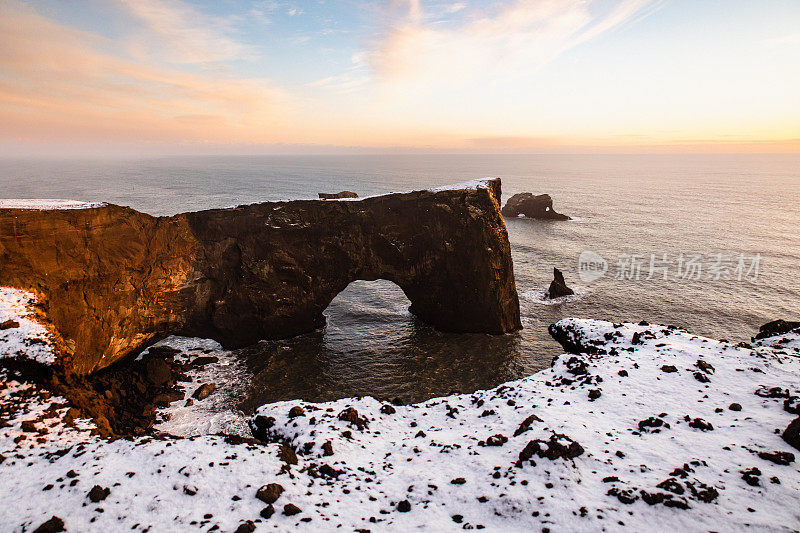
(112, 280)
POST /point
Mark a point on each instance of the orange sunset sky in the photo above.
(522, 76)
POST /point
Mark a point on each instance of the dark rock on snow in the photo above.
(652, 424)
(701, 377)
(98, 493)
(699, 423)
(779, 458)
(751, 476)
(792, 405)
(496, 440)
(792, 434)
(351, 415)
(557, 447)
(291, 509)
(246, 527)
(54, 525)
(526, 425)
(771, 392)
(269, 493)
(327, 449)
(287, 455)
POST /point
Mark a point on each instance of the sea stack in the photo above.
(532, 206)
(558, 287)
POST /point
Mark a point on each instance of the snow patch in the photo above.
(45, 204)
(21, 334)
(627, 437)
(471, 185)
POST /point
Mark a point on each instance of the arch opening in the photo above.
(370, 307)
(372, 345)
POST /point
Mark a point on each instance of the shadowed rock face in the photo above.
(776, 327)
(113, 280)
(532, 206)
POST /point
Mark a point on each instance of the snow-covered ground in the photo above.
(46, 204)
(21, 334)
(645, 435)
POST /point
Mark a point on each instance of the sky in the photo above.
(324, 76)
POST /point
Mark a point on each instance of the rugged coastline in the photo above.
(111, 280)
(640, 424)
(635, 424)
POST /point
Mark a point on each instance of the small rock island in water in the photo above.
(532, 206)
(558, 287)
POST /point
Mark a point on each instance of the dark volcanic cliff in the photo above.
(113, 280)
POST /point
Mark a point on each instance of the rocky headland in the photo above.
(636, 425)
(109, 280)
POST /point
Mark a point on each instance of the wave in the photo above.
(537, 295)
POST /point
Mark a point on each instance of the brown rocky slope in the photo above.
(112, 280)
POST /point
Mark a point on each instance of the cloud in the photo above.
(356, 77)
(177, 33)
(790, 39)
(58, 83)
(515, 39)
(455, 7)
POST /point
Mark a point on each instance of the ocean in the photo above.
(705, 242)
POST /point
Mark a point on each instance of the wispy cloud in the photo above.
(791, 39)
(178, 33)
(455, 7)
(356, 77)
(418, 73)
(515, 39)
(61, 83)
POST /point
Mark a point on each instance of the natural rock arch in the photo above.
(113, 280)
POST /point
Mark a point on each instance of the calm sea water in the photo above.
(743, 207)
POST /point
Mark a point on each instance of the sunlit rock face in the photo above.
(112, 280)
